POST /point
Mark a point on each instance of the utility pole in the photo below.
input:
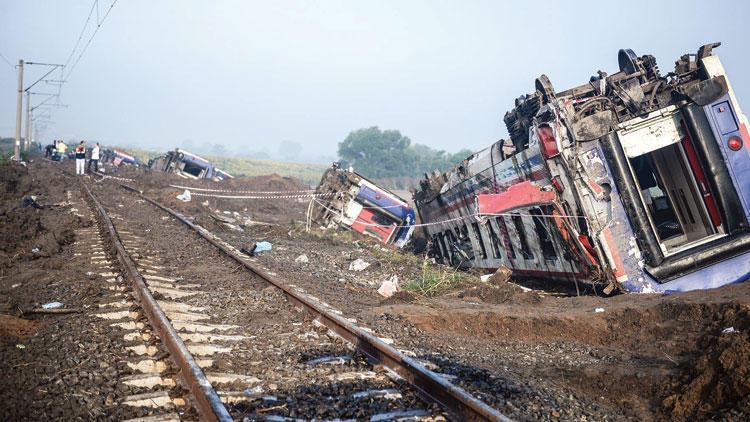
(19, 105)
(31, 109)
(27, 143)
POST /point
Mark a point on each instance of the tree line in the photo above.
(382, 154)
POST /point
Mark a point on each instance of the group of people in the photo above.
(81, 158)
(58, 149)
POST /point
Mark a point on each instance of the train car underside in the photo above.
(636, 178)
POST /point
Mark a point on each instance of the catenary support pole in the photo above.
(27, 138)
(19, 105)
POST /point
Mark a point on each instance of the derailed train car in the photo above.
(346, 199)
(637, 179)
(187, 165)
(116, 157)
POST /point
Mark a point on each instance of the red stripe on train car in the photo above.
(517, 196)
(364, 224)
(700, 177)
(619, 266)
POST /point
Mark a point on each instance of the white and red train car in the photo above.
(638, 179)
(349, 200)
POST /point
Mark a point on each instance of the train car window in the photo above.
(506, 238)
(541, 226)
(521, 230)
(381, 219)
(494, 240)
(479, 239)
(192, 169)
(464, 234)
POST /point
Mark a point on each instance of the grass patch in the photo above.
(435, 280)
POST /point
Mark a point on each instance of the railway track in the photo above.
(300, 361)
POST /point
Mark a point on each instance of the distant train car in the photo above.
(634, 178)
(347, 199)
(116, 157)
(187, 165)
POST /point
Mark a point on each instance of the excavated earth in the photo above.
(533, 355)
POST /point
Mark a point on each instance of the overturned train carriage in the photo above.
(638, 179)
(187, 165)
(346, 199)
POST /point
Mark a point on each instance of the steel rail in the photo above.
(204, 397)
(459, 404)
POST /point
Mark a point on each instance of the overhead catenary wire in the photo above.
(88, 43)
(5, 59)
(83, 30)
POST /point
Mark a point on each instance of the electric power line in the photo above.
(99, 25)
(83, 30)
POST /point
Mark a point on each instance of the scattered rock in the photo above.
(389, 287)
(358, 265)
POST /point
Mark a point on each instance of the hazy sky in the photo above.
(252, 74)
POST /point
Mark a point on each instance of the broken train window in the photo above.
(494, 240)
(479, 240)
(521, 231)
(541, 217)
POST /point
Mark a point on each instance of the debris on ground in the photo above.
(389, 287)
(263, 246)
(302, 259)
(358, 264)
(30, 201)
(53, 305)
(184, 196)
(729, 330)
(502, 275)
(221, 218)
(599, 310)
(257, 248)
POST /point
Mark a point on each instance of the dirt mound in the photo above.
(499, 293)
(27, 231)
(13, 328)
(15, 179)
(718, 378)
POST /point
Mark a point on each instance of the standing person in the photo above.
(94, 158)
(81, 158)
(62, 148)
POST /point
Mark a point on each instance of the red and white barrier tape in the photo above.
(450, 220)
(191, 189)
(106, 176)
(296, 196)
